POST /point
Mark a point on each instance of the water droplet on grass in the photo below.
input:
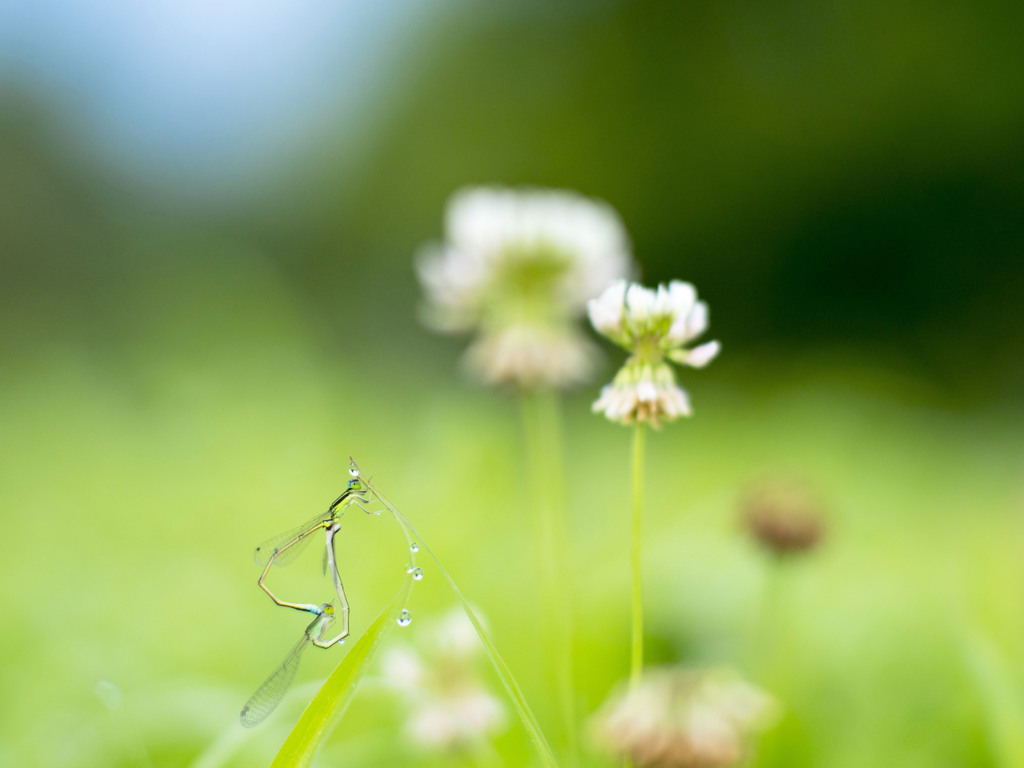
(404, 618)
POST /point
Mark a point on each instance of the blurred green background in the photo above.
(207, 303)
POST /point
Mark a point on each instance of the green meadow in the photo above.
(207, 306)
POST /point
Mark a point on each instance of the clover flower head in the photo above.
(517, 268)
(677, 717)
(532, 356)
(654, 326)
(449, 707)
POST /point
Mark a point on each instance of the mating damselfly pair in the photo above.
(284, 549)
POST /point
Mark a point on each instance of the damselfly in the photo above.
(269, 695)
(283, 549)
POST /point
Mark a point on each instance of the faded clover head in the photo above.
(654, 326)
(678, 717)
(516, 269)
(783, 515)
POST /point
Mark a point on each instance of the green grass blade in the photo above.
(993, 682)
(522, 708)
(326, 709)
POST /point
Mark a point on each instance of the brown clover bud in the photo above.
(783, 515)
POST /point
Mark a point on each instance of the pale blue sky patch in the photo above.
(201, 91)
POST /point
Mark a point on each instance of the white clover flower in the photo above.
(532, 356)
(654, 326)
(518, 267)
(448, 705)
(683, 718)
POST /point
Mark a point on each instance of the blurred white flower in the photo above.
(532, 356)
(683, 718)
(654, 326)
(448, 705)
(518, 267)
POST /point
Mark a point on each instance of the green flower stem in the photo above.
(765, 643)
(542, 426)
(637, 656)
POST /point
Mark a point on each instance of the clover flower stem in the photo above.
(637, 656)
(765, 645)
(542, 426)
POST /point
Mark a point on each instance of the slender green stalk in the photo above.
(508, 680)
(636, 565)
(765, 646)
(542, 428)
(991, 675)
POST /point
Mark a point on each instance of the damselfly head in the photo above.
(327, 608)
(356, 483)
